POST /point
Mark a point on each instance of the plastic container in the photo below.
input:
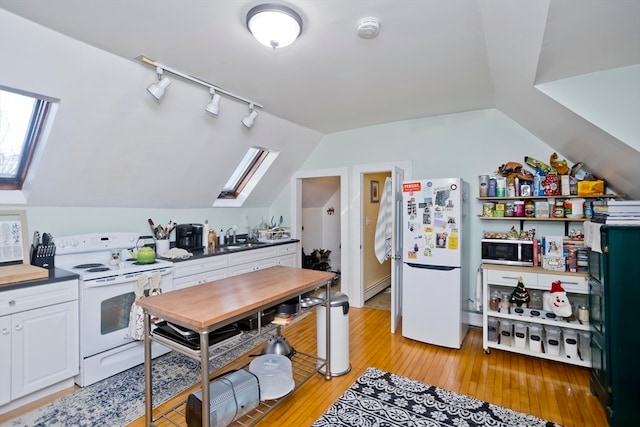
(552, 340)
(491, 188)
(506, 333)
(275, 375)
(483, 182)
(584, 345)
(518, 208)
(570, 340)
(501, 187)
(520, 335)
(535, 337)
(577, 208)
(535, 299)
(492, 329)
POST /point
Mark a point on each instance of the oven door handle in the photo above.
(116, 280)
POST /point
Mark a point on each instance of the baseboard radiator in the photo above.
(374, 288)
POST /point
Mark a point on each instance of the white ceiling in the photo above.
(432, 57)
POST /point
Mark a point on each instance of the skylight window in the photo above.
(22, 126)
(245, 177)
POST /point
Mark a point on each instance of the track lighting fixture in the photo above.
(274, 25)
(157, 89)
(251, 117)
(214, 106)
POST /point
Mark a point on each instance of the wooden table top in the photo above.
(226, 300)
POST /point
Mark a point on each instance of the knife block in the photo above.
(43, 255)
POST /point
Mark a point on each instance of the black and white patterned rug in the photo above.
(382, 399)
(118, 400)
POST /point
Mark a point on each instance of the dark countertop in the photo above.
(224, 251)
(55, 275)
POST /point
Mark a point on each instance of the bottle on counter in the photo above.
(221, 238)
(212, 241)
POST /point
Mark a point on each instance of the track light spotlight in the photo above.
(251, 117)
(214, 106)
(157, 89)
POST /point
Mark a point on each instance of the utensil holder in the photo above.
(162, 246)
(43, 255)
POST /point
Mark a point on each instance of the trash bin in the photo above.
(339, 363)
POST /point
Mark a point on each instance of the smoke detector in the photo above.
(368, 28)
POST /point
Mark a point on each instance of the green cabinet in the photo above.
(614, 300)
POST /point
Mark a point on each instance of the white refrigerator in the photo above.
(435, 237)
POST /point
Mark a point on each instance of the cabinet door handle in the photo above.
(18, 327)
(570, 283)
(12, 302)
(510, 277)
(5, 331)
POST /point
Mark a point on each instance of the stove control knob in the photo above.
(74, 242)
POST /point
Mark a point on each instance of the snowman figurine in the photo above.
(557, 300)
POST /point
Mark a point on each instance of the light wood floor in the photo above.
(553, 391)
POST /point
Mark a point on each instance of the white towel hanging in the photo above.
(384, 225)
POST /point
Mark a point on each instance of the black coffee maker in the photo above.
(189, 237)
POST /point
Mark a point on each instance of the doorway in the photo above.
(318, 218)
(351, 220)
(376, 275)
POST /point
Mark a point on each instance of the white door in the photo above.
(397, 176)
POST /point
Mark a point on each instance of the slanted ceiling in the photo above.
(433, 57)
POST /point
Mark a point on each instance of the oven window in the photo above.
(114, 313)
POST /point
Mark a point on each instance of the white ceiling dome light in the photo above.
(274, 25)
(368, 28)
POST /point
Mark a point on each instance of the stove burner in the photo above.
(94, 265)
(98, 269)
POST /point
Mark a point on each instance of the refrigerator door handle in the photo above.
(431, 267)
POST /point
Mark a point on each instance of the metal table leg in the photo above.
(204, 369)
(148, 395)
(328, 332)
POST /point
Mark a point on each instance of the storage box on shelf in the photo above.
(532, 330)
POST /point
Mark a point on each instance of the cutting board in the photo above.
(21, 273)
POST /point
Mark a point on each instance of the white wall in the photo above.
(312, 229)
(464, 145)
(610, 99)
(331, 230)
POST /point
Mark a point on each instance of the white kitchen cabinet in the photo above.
(201, 270)
(258, 259)
(288, 255)
(39, 341)
(5, 359)
(503, 279)
(252, 260)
